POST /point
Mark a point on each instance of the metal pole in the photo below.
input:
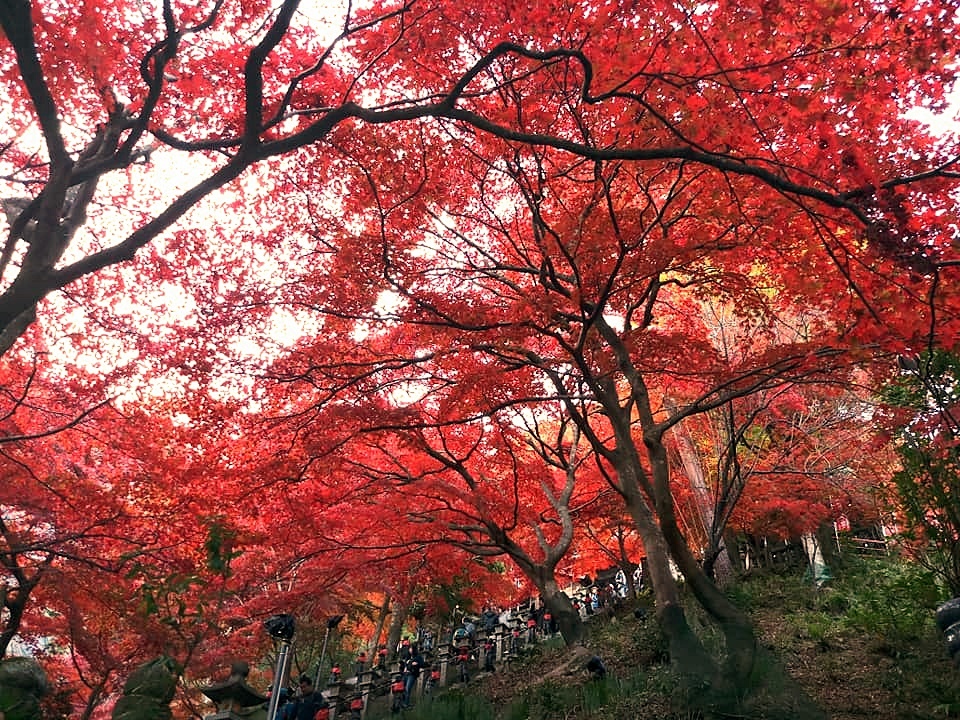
(331, 624)
(279, 678)
(323, 651)
(280, 627)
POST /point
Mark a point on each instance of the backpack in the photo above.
(315, 708)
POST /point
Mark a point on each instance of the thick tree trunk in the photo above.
(381, 621)
(735, 625)
(558, 602)
(687, 653)
(565, 615)
(733, 688)
(732, 550)
(829, 545)
(737, 629)
(396, 627)
(645, 486)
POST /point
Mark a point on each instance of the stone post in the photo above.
(444, 662)
(498, 642)
(364, 684)
(332, 693)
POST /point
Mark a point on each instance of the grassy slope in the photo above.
(865, 646)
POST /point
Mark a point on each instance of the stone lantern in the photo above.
(234, 698)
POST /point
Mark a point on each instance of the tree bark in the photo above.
(736, 626)
(688, 655)
(566, 616)
(719, 565)
(381, 621)
(396, 626)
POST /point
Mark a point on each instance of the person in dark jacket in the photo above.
(411, 674)
(311, 703)
(596, 668)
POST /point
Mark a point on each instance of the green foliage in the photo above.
(444, 597)
(156, 679)
(598, 694)
(148, 691)
(22, 684)
(609, 697)
(817, 626)
(452, 705)
(876, 610)
(218, 546)
(549, 699)
(137, 707)
(888, 599)
(926, 397)
(185, 596)
(883, 608)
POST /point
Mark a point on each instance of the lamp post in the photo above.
(331, 624)
(279, 627)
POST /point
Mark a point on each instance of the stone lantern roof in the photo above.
(234, 698)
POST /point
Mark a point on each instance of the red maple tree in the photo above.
(540, 192)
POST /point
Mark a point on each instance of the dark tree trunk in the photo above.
(687, 653)
(396, 627)
(827, 540)
(566, 616)
(381, 621)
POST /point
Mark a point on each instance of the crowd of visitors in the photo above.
(413, 669)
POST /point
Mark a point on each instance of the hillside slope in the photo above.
(864, 647)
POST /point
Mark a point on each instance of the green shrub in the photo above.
(452, 705)
(889, 599)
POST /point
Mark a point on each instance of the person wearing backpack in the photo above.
(311, 705)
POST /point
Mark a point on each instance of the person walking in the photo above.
(411, 674)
